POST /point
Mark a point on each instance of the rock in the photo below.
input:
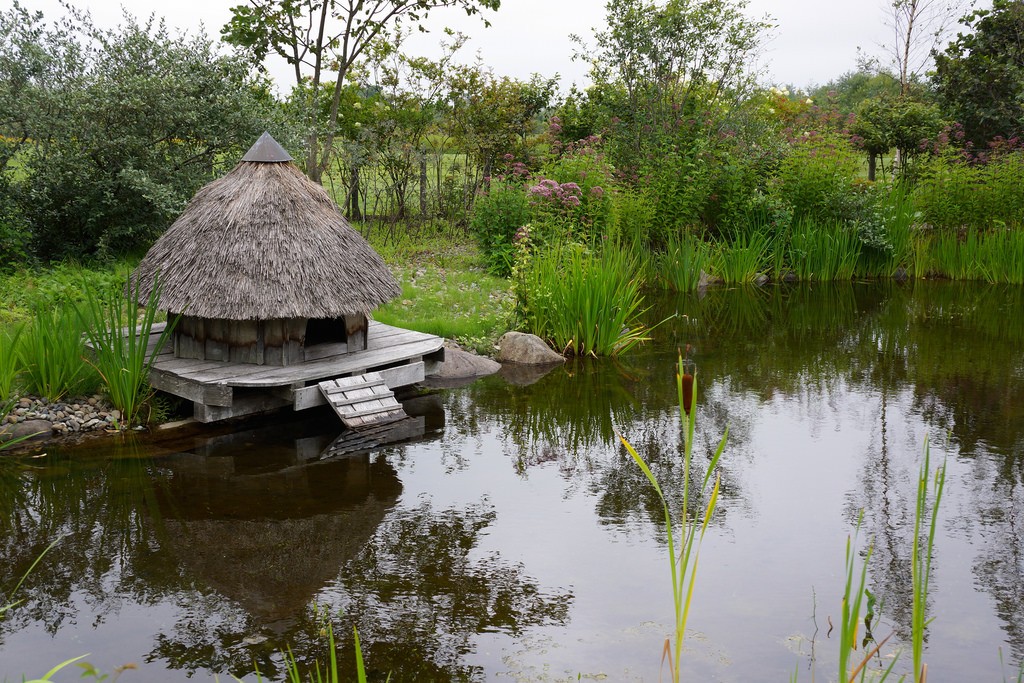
(707, 279)
(461, 367)
(760, 279)
(34, 429)
(790, 277)
(527, 349)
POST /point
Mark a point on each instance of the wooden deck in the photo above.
(224, 389)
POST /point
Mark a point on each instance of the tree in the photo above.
(112, 131)
(902, 124)
(325, 37)
(979, 78)
(918, 26)
(684, 59)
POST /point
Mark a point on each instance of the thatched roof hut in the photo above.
(262, 265)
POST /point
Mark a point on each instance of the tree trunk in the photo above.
(423, 187)
(352, 207)
(872, 159)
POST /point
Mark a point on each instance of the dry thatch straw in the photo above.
(261, 243)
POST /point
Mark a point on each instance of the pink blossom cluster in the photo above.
(566, 194)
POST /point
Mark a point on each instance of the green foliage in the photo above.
(883, 124)
(632, 220)
(10, 367)
(497, 215)
(115, 129)
(742, 259)
(119, 338)
(51, 350)
(679, 267)
(27, 290)
(979, 78)
(823, 252)
(818, 178)
(953, 194)
(579, 301)
(317, 38)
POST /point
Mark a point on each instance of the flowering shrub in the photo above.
(497, 215)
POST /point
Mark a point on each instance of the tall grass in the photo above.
(684, 563)
(50, 351)
(10, 368)
(921, 557)
(680, 266)
(929, 497)
(119, 338)
(1001, 256)
(582, 302)
(823, 252)
(742, 260)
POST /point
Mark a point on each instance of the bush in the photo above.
(497, 215)
(818, 178)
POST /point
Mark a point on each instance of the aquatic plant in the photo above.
(121, 351)
(741, 260)
(50, 352)
(684, 563)
(679, 267)
(581, 302)
(921, 557)
(823, 251)
(10, 368)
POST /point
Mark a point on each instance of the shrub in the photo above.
(818, 178)
(497, 215)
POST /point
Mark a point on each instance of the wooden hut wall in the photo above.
(355, 332)
(263, 342)
(283, 340)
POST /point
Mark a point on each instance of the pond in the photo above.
(512, 537)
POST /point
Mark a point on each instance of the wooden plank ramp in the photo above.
(362, 400)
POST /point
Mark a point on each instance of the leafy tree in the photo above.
(673, 61)
(114, 130)
(902, 124)
(319, 38)
(979, 78)
(851, 89)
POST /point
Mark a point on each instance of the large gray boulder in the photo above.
(526, 349)
(461, 367)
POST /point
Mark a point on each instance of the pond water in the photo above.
(516, 540)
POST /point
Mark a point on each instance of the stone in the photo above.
(33, 429)
(760, 279)
(708, 279)
(527, 349)
(461, 367)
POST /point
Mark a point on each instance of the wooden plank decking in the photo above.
(362, 400)
(222, 389)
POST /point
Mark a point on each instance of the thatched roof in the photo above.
(264, 242)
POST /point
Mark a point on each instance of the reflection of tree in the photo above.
(420, 592)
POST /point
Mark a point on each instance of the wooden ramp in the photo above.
(362, 400)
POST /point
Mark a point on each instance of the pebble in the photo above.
(77, 414)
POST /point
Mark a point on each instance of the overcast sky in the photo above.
(814, 40)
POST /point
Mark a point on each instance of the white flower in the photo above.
(808, 101)
(771, 110)
(357, 105)
(358, 125)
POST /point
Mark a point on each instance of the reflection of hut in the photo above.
(268, 527)
(264, 271)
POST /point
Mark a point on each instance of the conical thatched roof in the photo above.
(261, 243)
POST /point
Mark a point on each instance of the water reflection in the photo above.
(518, 517)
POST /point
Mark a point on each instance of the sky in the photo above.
(813, 42)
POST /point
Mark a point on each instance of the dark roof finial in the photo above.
(267, 150)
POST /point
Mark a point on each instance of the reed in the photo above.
(680, 266)
(954, 257)
(1001, 256)
(743, 259)
(683, 565)
(119, 338)
(581, 302)
(823, 252)
(921, 557)
(50, 352)
(10, 368)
